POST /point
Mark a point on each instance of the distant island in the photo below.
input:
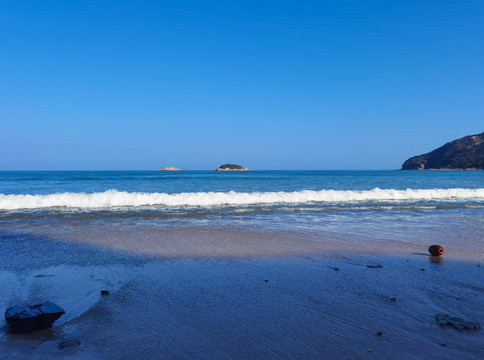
(232, 167)
(466, 153)
(169, 168)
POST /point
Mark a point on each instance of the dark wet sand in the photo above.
(227, 294)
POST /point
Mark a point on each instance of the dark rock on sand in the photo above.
(104, 292)
(466, 153)
(436, 250)
(231, 167)
(22, 319)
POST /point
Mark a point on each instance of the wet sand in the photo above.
(203, 293)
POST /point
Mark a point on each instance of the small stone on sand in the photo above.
(104, 292)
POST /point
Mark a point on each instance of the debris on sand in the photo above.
(457, 322)
(436, 250)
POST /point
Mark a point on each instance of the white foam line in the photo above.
(114, 198)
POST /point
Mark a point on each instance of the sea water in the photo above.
(443, 206)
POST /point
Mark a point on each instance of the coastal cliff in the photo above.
(466, 153)
(232, 167)
(169, 168)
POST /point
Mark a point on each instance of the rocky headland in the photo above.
(466, 153)
(169, 168)
(232, 167)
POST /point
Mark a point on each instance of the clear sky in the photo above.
(268, 84)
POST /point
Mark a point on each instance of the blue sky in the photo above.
(267, 84)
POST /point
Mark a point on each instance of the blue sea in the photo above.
(402, 205)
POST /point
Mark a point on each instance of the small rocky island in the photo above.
(169, 168)
(232, 167)
(466, 153)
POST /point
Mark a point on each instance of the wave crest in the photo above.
(114, 198)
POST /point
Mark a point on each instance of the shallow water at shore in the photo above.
(445, 208)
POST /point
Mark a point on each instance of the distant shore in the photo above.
(169, 168)
(233, 170)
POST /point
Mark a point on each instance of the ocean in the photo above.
(261, 264)
(436, 206)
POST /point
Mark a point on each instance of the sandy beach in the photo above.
(201, 293)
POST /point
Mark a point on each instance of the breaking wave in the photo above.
(117, 199)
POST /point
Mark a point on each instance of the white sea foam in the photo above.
(114, 198)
